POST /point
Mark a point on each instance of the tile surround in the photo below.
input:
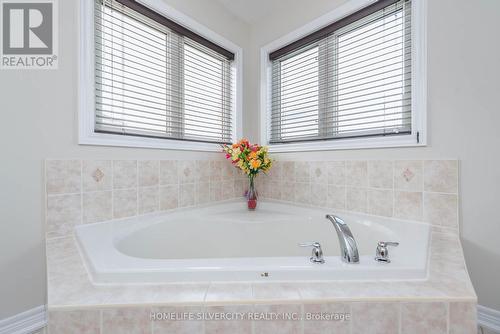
(90, 191)
(359, 317)
(429, 318)
(422, 190)
(77, 194)
(446, 301)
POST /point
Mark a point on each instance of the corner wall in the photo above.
(39, 120)
(463, 117)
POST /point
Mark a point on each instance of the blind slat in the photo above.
(354, 81)
(151, 81)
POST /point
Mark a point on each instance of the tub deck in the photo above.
(446, 296)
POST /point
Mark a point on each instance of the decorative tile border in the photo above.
(89, 191)
(422, 190)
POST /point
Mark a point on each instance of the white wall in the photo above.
(39, 112)
(463, 116)
(39, 120)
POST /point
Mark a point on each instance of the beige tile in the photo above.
(356, 199)
(74, 322)
(336, 173)
(240, 175)
(202, 194)
(149, 173)
(183, 293)
(262, 188)
(408, 175)
(216, 170)
(63, 213)
(240, 188)
(408, 205)
(126, 321)
(336, 197)
(429, 318)
(441, 209)
(203, 170)
(441, 176)
(228, 189)
(228, 170)
(63, 176)
(236, 326)
(226, 292)
(124, 174)
(380, 202)
(339, 322)
(131, 294)
(463, 318)
(97, 175)
(97, 206)
(168, 172)
(186, 195)
(302, 192)
(281, 325)
(215, 191)
(380, 174)
(288, 171)
(276, 171)
(375, 318)
(124, 203)
(288, 191)
(319, 172)
(187, 171)
(149, 199)
(319, 194)
(169, 197)
(302, 171)
(275, 291)
(275, 190)
(181, 323)
(356, 173)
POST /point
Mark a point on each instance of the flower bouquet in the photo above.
(251, 159)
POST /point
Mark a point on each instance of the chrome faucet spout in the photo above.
(348, 246)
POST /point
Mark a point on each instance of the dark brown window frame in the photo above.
(179, 29)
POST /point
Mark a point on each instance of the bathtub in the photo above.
(226, 242)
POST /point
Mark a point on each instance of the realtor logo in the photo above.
(29, 34)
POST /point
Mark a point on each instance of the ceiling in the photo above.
(252, 11)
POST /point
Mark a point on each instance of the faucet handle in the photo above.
(388, 243)
(382, 253)
(317, 252)
(309, 244)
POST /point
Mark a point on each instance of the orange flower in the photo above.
(253, 155)
(255, 163)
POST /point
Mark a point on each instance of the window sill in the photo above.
(349, 144)
(104, 139)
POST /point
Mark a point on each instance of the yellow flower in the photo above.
(255, 163)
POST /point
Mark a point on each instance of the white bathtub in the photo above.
(225, 242)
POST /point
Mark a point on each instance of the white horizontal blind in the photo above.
(151, 81)
(354, 82)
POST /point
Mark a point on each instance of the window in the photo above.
(155, 78)
(350, 79)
